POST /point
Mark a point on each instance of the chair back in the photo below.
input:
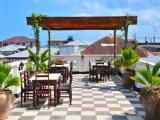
(71, 66)
(24, 79)
(100, 69)
(100, 63)
(42, 80)
(98, 60)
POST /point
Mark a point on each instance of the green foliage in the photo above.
(117, 61)
(129, 58)
(125, 26)
(7, 79)
(36, 18)
(39, 60)
(150, 78)
(29, 65)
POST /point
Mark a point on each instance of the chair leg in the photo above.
(70, 96)
(21, 97)
(49, 101)
(58, 96)
(25, 96)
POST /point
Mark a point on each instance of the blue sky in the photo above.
(13, 16)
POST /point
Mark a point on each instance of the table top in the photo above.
(52, 76)
(105, 64)
(63, 65)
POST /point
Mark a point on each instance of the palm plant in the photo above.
(39, 60)
(150, 94)
(150, 78)
(6, 78)
(129, 58)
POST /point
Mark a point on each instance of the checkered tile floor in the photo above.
(91, 101)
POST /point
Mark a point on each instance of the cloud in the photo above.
(82, 14)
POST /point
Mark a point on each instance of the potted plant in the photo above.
(6, 80)
(150, 94)
(127, 60)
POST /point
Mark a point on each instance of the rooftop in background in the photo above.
(2, 56)
(96, 48)
(151, 59)
(12, 47)
(77, 42)
(19, 40)
(58, 40)
(24, 54)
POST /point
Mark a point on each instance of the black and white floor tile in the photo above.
(91, 101)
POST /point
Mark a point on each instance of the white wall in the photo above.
(15, 72)
(82, 65)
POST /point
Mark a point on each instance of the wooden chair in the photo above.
(109, 70)
(26, 86)
(65, 87)
(100, 70)
(91, 71)
(63, 70)
(41, 88)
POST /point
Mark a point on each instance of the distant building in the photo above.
(73, 47)
(18, 40)
(152, 46)
(24, 54)
(11, 49)
(96, 48)
(61, 42)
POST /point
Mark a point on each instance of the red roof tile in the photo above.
(97, 48)
(18, 39)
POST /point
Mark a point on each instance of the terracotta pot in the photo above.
(127, 81)
(151, 103)
(5, 101)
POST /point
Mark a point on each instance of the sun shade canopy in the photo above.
(84, 23)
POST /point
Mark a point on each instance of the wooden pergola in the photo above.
(84, 23)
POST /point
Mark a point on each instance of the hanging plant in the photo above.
(36, 18)
(125, 27)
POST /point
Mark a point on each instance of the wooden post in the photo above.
(126, 36)
(49, 46)
(114, 44)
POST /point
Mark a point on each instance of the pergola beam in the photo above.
(84, 23)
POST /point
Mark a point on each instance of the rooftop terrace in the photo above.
(91, 101)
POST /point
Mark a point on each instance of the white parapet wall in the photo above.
(151, 60)
(81, 63)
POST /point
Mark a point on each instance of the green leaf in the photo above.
(145, 74)
(11, 81)
(156, 69)
(156, 81)
(139, 80)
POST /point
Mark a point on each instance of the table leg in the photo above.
(55, 94)
(33, 96)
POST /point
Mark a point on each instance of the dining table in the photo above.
(54, 79)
